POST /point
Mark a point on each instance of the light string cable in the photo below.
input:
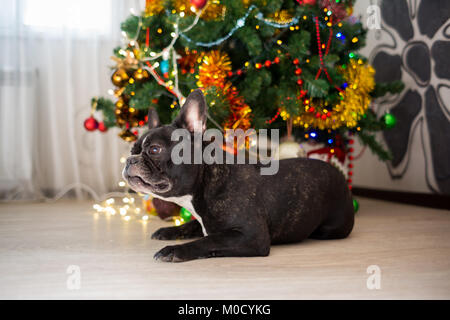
(239, 24)
(169, 50)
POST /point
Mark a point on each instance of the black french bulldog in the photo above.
(238, 211)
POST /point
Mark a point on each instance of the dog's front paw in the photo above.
(170, 233)
(170, 254)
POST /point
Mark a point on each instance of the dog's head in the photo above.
(150, 169)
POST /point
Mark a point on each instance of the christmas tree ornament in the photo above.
(90, 124)
(118, 92)
(307, 2)
(199, 4)
(141, 75)
(185, 214)
(164, 66)
(102, 127)
(127, 135)
(165, 209)
(120, 103)
(120, 118)
(389, 120)
(355, 205)
(120, 77)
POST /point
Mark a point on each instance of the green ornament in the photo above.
(185, 214)
(355, 206)
(390, 120)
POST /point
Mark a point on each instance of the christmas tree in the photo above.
(286, 64)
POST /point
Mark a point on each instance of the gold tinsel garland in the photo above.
(212, 11)
(213, 72)
(281, 17)
(354, 103)
(153, 7)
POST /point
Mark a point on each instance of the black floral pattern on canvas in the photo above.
(419, 56)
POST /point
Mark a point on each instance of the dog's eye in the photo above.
(155, 149)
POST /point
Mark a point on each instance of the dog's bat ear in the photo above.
(153, 118)
(193, 113)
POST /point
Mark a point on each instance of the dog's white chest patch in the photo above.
(185, 202)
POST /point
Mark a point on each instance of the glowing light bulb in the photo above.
(123, 211)
(110, 201)
(127, 218)
(122, 184)
(145, 218)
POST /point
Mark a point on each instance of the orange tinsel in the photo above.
(213, 72)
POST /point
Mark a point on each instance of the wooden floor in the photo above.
(38, 242)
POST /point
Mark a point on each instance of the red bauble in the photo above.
(90, 124)
(199, 4)
(102, 127)
(310, 2)
(300, 82)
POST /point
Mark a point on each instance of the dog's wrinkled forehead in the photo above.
(160, 136)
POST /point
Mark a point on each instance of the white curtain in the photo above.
(55, 56)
